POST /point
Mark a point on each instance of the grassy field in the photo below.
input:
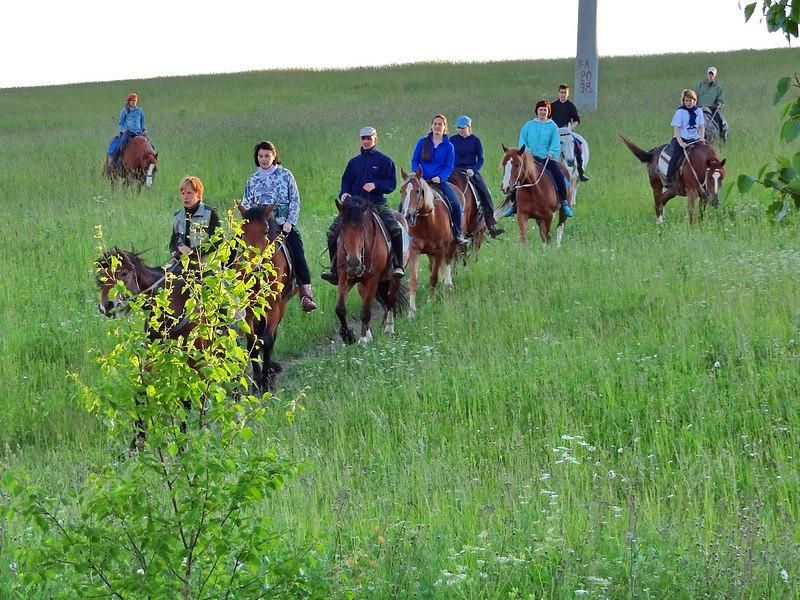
(617, 418)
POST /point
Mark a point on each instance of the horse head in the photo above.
(354, 237)
(417, 196)
(513, 164)
(116, 266)
(567, 144)
(259, 226)
(709, 170)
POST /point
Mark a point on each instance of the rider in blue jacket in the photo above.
(435, 156)
(131, 124)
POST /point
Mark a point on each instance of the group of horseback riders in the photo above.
(372, 175)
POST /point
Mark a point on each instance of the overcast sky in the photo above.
(45, 42)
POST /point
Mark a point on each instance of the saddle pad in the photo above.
(663, 163)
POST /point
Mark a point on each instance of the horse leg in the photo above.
(413, 283)
(562, 222)
(391, 301)
(367, 292)
(348, 337)
(271, 368)
(435, 263)
(544, 229)
(691, 204)
(522, 220)
(661, 199)
(447, 274)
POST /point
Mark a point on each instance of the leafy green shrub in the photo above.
(179, 518)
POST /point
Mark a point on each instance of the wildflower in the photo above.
(784, 575)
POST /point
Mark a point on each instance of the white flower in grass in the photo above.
(785, 575)
(140, 571)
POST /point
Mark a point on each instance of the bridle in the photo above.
(517, 185)
(420, 196)
(703, 185)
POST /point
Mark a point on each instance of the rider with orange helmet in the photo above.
(131, 124)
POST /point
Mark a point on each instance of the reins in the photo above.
(517, 185)
(702, 186)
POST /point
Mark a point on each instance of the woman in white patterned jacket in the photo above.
(273, 184)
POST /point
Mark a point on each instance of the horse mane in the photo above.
(105, 262)
(529, 169)
(259, 212)
(353, 209)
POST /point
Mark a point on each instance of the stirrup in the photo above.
(399, 272)
(461, 240)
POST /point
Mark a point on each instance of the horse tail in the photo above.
(400, 300)
(643, 155)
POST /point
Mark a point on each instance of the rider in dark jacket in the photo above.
(371, 175)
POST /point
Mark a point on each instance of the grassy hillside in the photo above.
(618, 416)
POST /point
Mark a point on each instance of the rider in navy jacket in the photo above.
(469, 160)
(371, 175)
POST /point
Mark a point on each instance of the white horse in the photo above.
(568, 140)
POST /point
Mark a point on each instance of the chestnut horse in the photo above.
(534, 192)
(139, 163)
(474, 223)
(700, 176)
(431, 233)
(364, 258)
(259, 230)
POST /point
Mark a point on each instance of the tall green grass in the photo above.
(615, 418)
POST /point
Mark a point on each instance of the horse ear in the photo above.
(722, 162)
(521, 150)
(338, 205)
(403, 173)
(418, 172)
(505, 148)
(241, 208)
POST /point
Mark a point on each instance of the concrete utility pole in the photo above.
(585, 92)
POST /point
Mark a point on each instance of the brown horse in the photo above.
(474, 223)
(431, 233)
(139, 163)
(364, 258)
(116, 265)
(259, 230)
(534, 192)
(700, 176)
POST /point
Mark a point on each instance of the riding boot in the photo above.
(458, 234)
(491, 224)
(397, 254)
(330, 274)
(306, 299)
(581, 175)
(565, 208)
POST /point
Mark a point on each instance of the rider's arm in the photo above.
(478, 154)
(386, 182)
(121, 124)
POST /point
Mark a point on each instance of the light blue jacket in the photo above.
(541, 138)
(131, 120)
